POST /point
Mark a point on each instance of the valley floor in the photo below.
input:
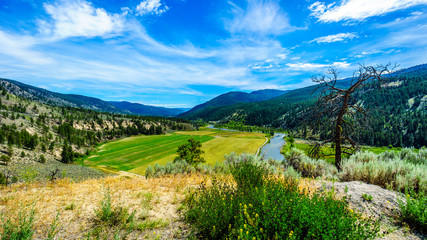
(134, 154)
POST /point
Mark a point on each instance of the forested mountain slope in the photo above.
(231, 98)
(397, 116)
(141, 109)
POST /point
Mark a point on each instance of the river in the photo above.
(272, 149)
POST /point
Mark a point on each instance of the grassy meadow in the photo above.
(134, 154)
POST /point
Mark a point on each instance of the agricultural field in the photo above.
(135, 154)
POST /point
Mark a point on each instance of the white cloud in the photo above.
(151, 7)
(358, 9)
(313, 66)
(335, 38)
(260, 17)
(79, 18)
(19, 47)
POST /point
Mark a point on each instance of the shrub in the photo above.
(309, 167)
(19, 228)
(175, 167)
(42, 159)
(111, 215)
(414, 211)
(387, 155)
(263, 206)
(364, 156)
(393, 174)
(5, 159)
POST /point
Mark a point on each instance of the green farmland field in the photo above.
(135, 154)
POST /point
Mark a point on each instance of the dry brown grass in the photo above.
(76, 202)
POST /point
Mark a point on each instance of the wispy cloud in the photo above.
(20, 47)
(258, 17)
(340, 37)
(358, 9)
(151, 7)
(313, 66)
(79, 19)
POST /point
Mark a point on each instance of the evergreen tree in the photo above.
(190, 152)
(67, 155)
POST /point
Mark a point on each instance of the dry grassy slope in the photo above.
(127, 191)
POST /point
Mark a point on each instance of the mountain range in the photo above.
(80, 101)
(124, 107)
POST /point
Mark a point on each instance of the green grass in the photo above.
(135, 154)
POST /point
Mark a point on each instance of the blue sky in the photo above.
(179, 53)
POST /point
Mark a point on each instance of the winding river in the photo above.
(272, 149)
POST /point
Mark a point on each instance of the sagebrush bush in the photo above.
(182, 167)
(410, 155)
(388, 155)
(170, 168)
(309, 167)
(264, 206)
(364, 156)
(394, 174)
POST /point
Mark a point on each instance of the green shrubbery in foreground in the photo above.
(404, 171)
(414, 212)
(265, 206)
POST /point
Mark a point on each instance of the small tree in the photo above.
(67, 155)
(51, 146)
(5, 159)
(290, 139)
(190, 152)
(9, 150)
(43, 147)
(340, 107)
(42, 159)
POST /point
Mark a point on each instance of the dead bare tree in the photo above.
(338, 104)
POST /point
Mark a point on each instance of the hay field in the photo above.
(135, 154)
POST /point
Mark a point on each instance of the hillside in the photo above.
(80, 101)
(141, 109)
(398, 117)
(38, 138)
(229, 99)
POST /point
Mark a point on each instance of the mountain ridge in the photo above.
(81, 101)
(234, 97)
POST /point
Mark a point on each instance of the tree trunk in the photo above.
(337, 141)
(338, 131)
